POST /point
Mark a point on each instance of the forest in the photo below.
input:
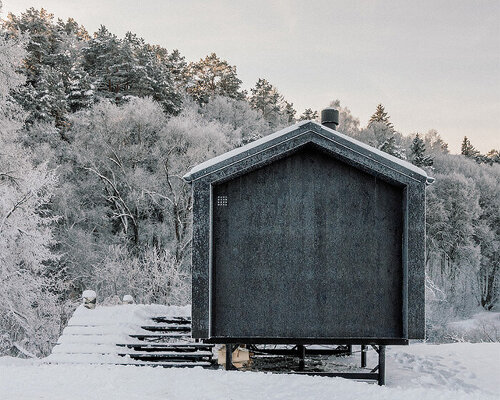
(96, 132)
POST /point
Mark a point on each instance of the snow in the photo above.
(128, 298)
(89, 294)
(478, 319)
(252, 145)
(456, 371)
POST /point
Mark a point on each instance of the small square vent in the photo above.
(221, 201)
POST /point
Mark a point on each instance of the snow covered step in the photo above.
(167, 364)
(89, 358)
(160, 336)
(121, 361)
(69, 348)
(131, 335)
(97, 329)
(167, 327)
(168, 354)
(171, 345)
(172, 320)
(92, 339)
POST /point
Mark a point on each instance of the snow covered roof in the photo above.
(241, 153)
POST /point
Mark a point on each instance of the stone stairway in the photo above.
(131, 335)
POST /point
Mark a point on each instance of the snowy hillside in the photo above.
(452, 371)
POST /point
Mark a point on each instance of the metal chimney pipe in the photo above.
(330, 118)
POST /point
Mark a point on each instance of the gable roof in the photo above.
(239, 154)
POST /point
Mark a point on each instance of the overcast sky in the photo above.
(433, 64)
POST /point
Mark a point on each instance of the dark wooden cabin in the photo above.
(308, 236)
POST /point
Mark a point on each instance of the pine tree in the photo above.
(468, 150)
(417, 153)
(380, 115)
(212, 76)
(81, 89)
(493, 156)
(308, 114)
(289, 112)
(265, 98)
(49, 64)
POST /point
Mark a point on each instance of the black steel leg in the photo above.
(229, 357)
(381, 365)
(349, 350)
(363, 356)
(302, 355)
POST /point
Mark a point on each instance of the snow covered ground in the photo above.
(420, 371)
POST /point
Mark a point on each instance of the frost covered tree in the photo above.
(453, 214)
(308, 114)
(493, 156)
(417, 153)
(212, 76)
(52, 49)
(265, 98)
(463, 234)
(380, 136)
(384, 135)
(29, 309)
(467, 149)
(243, 122)
(126, 187)
(380, 115)
(348, 124)
(130, 67)
(434, 144)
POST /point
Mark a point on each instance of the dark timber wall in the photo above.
(307, 246)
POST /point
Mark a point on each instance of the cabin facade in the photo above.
(308, 236)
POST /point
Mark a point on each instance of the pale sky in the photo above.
(433, 64)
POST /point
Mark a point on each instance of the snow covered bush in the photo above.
(152, 277)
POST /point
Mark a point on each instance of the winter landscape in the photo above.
(98, 127)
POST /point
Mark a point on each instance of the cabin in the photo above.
(308, 236)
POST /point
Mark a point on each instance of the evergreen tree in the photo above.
(177, 65)
(380, 115)
(265, 98)
(468, 150)
(130, 67)
(289, 113)
(308, 114)
(49, 64)
(81, 89)
(386, 138)
(212, 76)
(417, 153)
(493, 156)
